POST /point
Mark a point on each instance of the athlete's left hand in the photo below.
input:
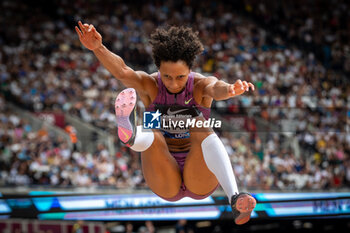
(239, 87)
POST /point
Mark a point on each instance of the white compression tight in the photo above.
(143, 139)
(218, 162)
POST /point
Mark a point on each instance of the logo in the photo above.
(151, 120)
(177, 124)
(170, 113)
(187, 101)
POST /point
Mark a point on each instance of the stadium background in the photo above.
(291, 135)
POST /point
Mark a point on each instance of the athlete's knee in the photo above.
(158, 134)
(201, 125)
(159, 140)
(200, 132)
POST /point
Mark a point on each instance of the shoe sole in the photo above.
(245, 205)
(124, 108)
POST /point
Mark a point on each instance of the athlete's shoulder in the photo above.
(147, 78)
(148, 82)
(149, 88)
(154, 75)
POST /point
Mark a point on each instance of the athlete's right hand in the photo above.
(88, 36)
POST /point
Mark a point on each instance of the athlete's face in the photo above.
(174, 75)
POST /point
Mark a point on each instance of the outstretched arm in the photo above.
(220, 90)
(92, 40)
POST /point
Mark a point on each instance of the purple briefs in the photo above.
(180, 158)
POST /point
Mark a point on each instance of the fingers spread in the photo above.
(240, 84)
(81, 26)
(78, 32)
(245, 86)
(251, 86)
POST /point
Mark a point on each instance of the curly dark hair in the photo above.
(174, 44)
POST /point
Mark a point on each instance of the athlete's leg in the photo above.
(207, 147)
(160, 169)
(197, 177)
(208, 159)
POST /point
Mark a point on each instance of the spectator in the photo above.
(72, 135)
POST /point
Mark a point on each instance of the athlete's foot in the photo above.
(242, 206)
(125, 111)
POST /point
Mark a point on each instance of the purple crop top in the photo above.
(177, 104)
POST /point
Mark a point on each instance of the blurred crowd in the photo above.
(319, 26)
(37, 157)
(44, 67)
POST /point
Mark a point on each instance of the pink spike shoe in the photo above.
(242, 206)
(125, 111)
